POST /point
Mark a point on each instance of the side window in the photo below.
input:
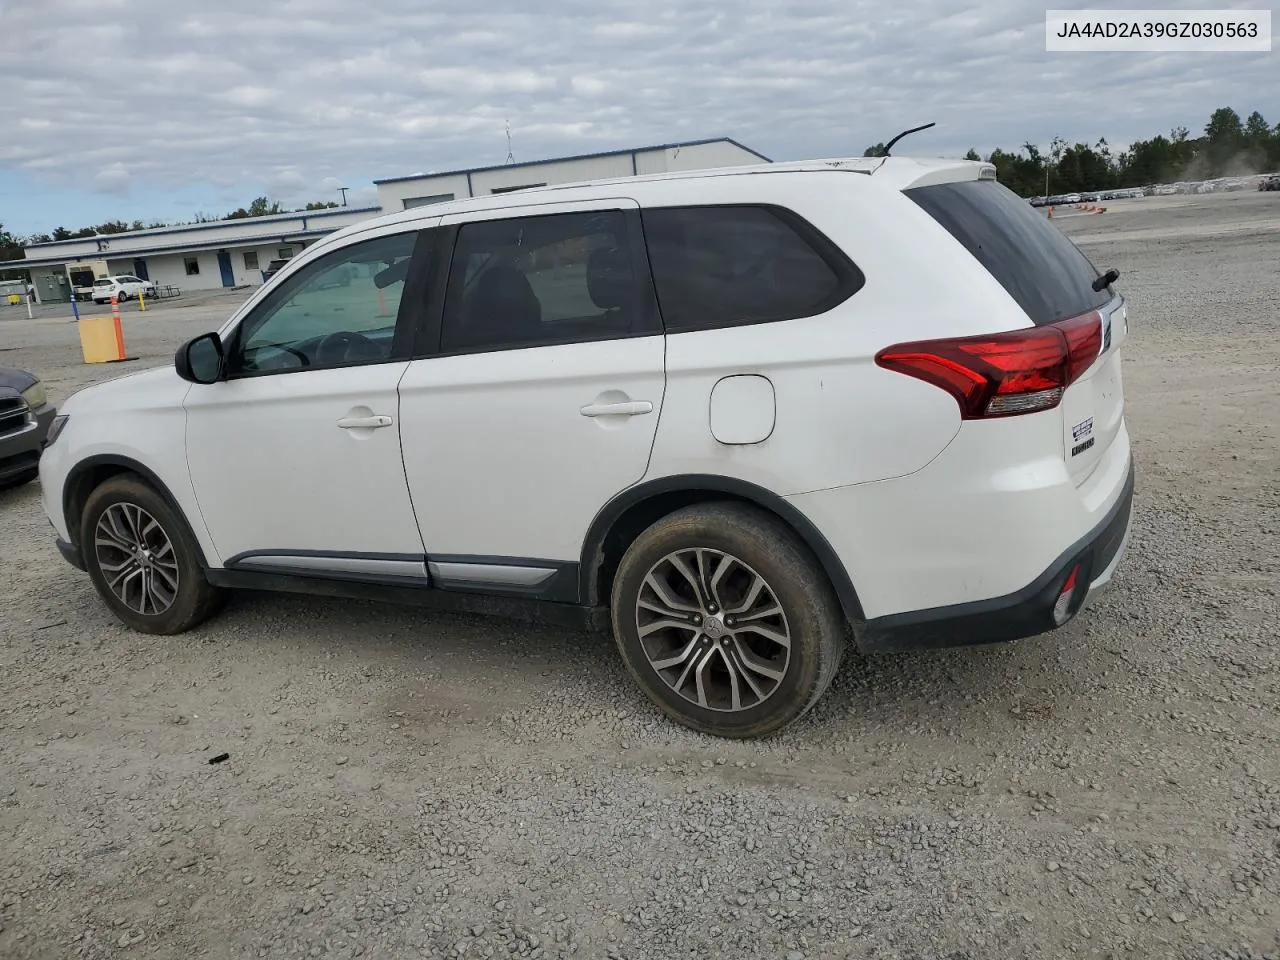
(339, 310)
(719, 266)
(535, 280)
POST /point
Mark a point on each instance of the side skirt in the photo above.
(529, 610)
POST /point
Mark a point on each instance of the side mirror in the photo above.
(200, 360)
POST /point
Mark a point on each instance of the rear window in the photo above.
(1045, 273)
(103, 283)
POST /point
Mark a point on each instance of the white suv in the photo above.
(746, 412)
(122, 288)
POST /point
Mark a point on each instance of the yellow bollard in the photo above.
(142, 300)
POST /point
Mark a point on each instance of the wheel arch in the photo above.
(92, 472)
(622, 519)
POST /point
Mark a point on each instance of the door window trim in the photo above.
(648, 321)
(407, 320)
(849, 275)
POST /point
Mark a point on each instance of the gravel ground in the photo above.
(410, 785)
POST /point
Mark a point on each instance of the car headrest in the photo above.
(503, 307)
(609, 280)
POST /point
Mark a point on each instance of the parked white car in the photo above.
(741, 415)
(121, 287)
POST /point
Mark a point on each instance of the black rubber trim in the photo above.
(70, 553)
(561, 587)
(112, 460)
(1026, 613)
(592, 548)
(569, 615)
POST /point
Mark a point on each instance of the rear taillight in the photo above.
(1003, 374)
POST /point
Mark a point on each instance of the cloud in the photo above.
(159, 100)
(113, 178)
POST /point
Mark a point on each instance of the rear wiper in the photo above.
(1106, 280)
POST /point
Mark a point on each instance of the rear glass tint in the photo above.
(1045, 273)
(718, 266)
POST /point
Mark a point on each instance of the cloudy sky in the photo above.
(144, 109)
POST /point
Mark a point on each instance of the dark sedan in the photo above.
(25, 416)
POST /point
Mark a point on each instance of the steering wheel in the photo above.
(335, 348)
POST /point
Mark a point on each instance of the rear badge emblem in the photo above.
(1080, 448)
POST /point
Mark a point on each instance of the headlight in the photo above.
(35, 395)
(55, 428)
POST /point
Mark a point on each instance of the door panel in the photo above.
(542, 398)
(295, 456)
(274, 471)
(501, 460)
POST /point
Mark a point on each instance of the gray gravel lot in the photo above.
(403, 784)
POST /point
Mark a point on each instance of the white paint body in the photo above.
(492, 456)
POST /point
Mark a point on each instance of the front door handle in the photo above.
(365, 423)
(627, 408)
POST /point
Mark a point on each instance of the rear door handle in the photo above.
(626, 408)
(366, 423)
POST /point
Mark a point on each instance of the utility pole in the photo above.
(343, 191)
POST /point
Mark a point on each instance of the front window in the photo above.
(339, 310)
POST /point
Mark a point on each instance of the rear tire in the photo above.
(726, 621)
(143, 559)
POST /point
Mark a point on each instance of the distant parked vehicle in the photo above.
(272, 269)
(122, 287)
(1271, 183)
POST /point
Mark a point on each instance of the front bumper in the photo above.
(20, 452)
(1027, 612)
(70, 553)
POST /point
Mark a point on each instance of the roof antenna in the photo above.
(511, 157)
(890, 144)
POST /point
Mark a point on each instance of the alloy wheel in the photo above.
(713, 629)
(136, 558)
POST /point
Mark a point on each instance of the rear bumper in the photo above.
(1027, 612)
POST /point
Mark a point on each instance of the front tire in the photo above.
(143, 559)
(726, 621)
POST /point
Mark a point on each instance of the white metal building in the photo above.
(402, 193)
(198, 256)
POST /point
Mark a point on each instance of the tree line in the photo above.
(1229, 147)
